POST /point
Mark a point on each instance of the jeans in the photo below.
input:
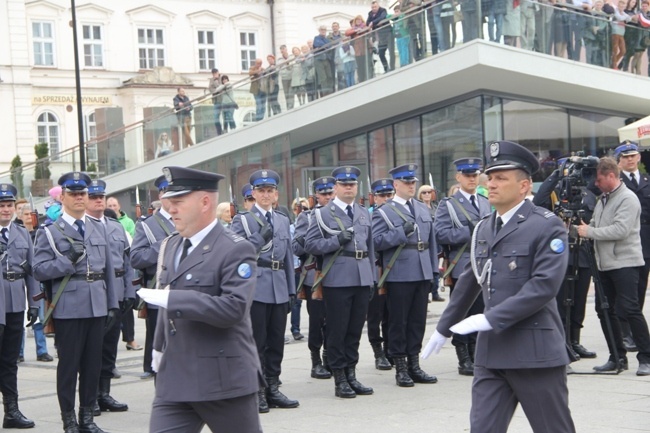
(260, 104)
(495, 19)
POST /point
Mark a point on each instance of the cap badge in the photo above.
(265, 173)
(494, 150)
(167, 174)
(4, 187)
(384, 182)
(76, 175)
(348, 170)
(411, 167)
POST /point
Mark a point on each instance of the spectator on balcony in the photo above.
(297, 77)
(346, 54)
(560, 28)
(512, 23)
(258, 88)
(338, 74)
(285, 64)
(383, 32)
(183, 108)
(528, 10)
(214, 85)
(309, 73)
(595, 36)
(163, 145)
(323, 61)
(362, 48)
(618, 33)
(272, 78)
(642, 39)
(229, 105)
(470, 19)
(632, 33)
(416, 25)
(402, 35)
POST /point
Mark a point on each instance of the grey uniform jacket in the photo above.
(273, 287)
(209, 351)
(120, 251)
(449, 235)
(80, 299)
(346, 271)
(529, 257)
(300, 230)
(19, 250)
(388, 234)
(146, 245)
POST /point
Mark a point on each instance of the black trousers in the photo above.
(407, 316)
(128, 326)
(642, 287)
(109, 348)
(79, 344)
(152, 318)
(620, 288)
(269, 322)
(12, 340)
(317, 330)
(378, 319)
(577, 310)
(346, 309)
(477, 308)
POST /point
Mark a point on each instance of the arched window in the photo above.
(249, 118)
(91, 134)
(48, 131)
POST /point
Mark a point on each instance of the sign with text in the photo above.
(71, 99)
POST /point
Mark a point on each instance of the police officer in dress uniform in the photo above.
(207, 367)
(403, 232)
(342, 233)
(518, 258)
(270, 234)
(124, 291)
(74, 256)
(16, 255)
(629, 158)
(454, 223)
(149, 234)
(324, 190)
(247, 193)
(382, 190)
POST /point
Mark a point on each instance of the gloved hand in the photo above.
(434, 345)
(266, 232)
(156, 359)
(475, 323)
(155, 297)
(408, 227)
(292, 302)
(127, 304)
(373, 290)
(344, 237)
(300, 240)
(32, 316)
(76, 251)
(111, 319)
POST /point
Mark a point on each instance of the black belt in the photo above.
(89, 277)
(119, 273)
(420, 246)
(275, 265)
(356, 254)
(13, 276)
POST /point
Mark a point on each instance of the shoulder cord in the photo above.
(487, 268)
(247, 229)
(161, 258)
(401, 215)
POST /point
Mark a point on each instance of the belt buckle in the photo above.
(90, 277)
(275, 265)
(11, 276)
(420, 246)
(358, 254)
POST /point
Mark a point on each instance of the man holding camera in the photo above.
(615, 231)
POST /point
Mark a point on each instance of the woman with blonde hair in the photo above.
(163, 145)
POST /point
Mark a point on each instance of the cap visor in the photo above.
(170, 194)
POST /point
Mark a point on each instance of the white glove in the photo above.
(475, 323)
(155, 297)
(434, 345)
(156, 358)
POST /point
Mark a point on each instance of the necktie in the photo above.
(4, 234)
(634, 181)
(268, 218)
(410, 205)
(472, 198)
(499, 224)
(348, 209)
(187, 244)
(80, 227)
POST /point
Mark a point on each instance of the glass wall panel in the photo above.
(492, 118)
(543, 129)
(380, 145)
(353, 149)
(592, 133)
(448, 134)
(326, 156)
(298, 163)
(408, 143)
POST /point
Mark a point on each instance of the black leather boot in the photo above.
(471, 348)
(326, 363)
(317, 369)
(70, 422)
(275, 398)
(465, 364)
(388, 357)
(86, 423)
(381, 363)
(341, 386)
(417, 374)
(356, 386)
(13, 417)
(402, 377)
(105, 401)
(96, 410)
(262, 405)
(579, 348)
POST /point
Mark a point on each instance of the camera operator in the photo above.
(576, 311)
(615, 231)
(628, 157)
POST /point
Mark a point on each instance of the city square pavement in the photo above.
(599, 403)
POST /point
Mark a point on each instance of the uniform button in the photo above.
(221, 352)
(178, 314)
(535, 324)
(502, 325)
(494, 254)
(494, 272)
(514, 251)
(492, 291)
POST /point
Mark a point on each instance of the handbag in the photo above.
(458, 16)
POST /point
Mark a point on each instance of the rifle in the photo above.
(431, 182)
(34, 213)
(362, 198)
(371, 196)
(150, 208)
(233, 203)
(138, 206)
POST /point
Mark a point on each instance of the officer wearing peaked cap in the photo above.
(16, 256)
(73, 256)
(454, 224)
(124, 291)
(403, 232)
(206, 275)
(269, 232)
(519, 256)
(342, 234)
(149, 233)
(247, 193)
(323, 189)
(628, 157)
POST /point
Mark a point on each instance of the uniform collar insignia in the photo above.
(521, 216)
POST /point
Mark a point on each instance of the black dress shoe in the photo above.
(46, 357)
(298, 336)
(611, 366)
(644, 369)
(437, 298)
(21, 359)
(133, 347)
(116, 373)
(582, 351)
(147, 375)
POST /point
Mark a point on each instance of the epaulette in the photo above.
(487, 216)
(446, 198)
(360, 205)
(543, 212)
(233, 236)
(377, 207)
(281, 213)
(111, 219)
